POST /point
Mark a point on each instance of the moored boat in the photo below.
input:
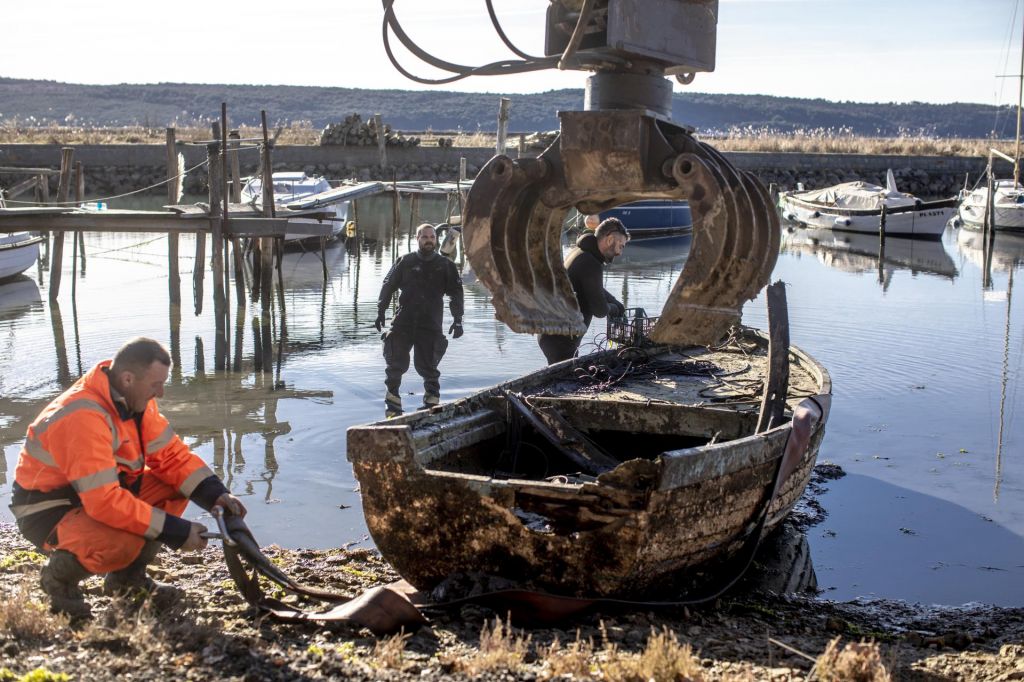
(1008, 207)
(18, 252)
(293, 188)
(649, 218)
(857, 207)
(655, 470)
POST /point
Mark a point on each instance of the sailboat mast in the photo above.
(1020, 101)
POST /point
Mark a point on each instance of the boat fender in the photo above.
(816, 214)
(842, 222)
(790, 216)
(956, 222)
(350, 228)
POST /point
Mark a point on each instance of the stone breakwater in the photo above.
(116, 169)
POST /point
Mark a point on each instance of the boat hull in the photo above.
(653, 218)
(1008, 209)
(925, 221)
(18, 252)
(640, 528)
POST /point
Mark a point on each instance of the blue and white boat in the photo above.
(649, 219)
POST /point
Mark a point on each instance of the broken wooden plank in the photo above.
(574, 439)
(580, 457)
(773, 403)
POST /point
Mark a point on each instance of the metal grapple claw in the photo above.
(515, 210)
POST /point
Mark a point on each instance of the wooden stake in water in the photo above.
(67, 155)
(173, 184)
(382, 143)
(216, 186)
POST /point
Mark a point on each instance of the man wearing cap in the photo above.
(424, 277)
(584, 265)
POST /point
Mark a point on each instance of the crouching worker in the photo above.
(103, 481)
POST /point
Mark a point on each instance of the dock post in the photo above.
(67, 155)
(989, 235)
(79, 197)
(382, 143)
(503, 108)
(79, 192)
(266, 283)
(881, 245)
(462, 169)
(522, 145)
(236, 198)
(215, 169)
(173, 192)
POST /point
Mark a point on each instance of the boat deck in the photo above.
(731, 378)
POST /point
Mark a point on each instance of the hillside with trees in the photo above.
(41, 103)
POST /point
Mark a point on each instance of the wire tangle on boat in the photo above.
(635, 364)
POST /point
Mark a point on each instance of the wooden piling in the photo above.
(266, 283)
(79, 191)
(79, 197)
(382, 143)
(462, 169)
(504, 105)
(67, 155)
(216, 186)
(881, 244)
(173, 190)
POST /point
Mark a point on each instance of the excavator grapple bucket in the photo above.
(515, 209)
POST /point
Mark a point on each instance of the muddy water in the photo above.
(925, 356)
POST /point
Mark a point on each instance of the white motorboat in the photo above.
(18, 252)
(857, 207)
(1008, 208)
(291, 188)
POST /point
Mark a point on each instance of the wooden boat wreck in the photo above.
(636, 482)
(689, 451)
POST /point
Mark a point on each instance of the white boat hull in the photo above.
(1009, 208)
(925, 221)
(18, 252)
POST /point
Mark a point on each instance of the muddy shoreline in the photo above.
(213, 635)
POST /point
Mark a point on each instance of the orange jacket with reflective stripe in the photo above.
(80, 440)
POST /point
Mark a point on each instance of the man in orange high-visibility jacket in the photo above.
(103, 480)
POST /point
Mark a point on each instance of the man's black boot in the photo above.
(59, 579)
(133, 581)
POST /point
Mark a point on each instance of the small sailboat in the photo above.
(1007, 196)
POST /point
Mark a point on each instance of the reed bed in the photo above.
(748, 139)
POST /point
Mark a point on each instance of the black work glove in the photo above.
(379, 322)
(616, 309)
(456, 329)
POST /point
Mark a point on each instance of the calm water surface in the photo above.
(925, 360)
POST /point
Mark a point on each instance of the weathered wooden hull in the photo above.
(434, 510)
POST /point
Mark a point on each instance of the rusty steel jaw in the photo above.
(516, 207)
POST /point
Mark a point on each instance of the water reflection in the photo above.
(273, 425)
(864, 253)
(1007, 250)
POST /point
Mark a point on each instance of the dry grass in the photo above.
(390, 652)
(855, 662)
(663, 659)
(819, 140)
(22, 618)
(500, 648)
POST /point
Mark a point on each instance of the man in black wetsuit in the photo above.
(584, 264)
(424, 278)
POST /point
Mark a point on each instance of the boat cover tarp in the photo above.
(859, 195)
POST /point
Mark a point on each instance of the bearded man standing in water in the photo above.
(102, 482)
(424, 278)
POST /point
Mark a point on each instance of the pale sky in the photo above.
(856, 50)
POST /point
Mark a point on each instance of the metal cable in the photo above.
(501, 33)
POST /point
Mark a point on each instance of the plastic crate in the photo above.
(632, 328)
